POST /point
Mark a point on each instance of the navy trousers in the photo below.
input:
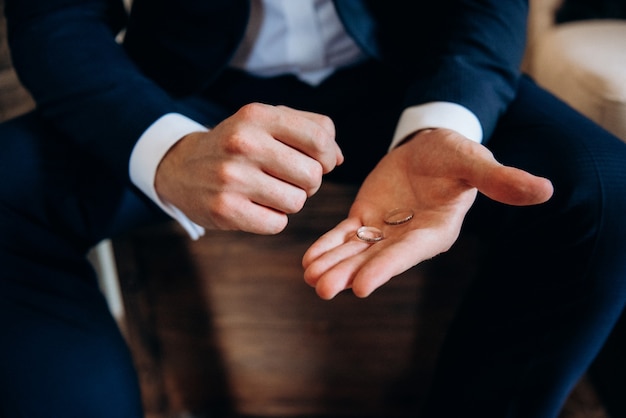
(550, 286)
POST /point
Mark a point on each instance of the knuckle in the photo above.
(324, 147)
(315, 173)
(277, 227)
(323, 139)
(252, 111)
(223, 175)
(314, 178)
(297, 202)
(238, 144)
(218, 208)
(328, 125)
(292, 202)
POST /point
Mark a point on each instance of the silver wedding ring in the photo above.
(396, 216)
(369, 234)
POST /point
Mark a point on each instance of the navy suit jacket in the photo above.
(103, 95)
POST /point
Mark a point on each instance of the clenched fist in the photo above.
(251, 170)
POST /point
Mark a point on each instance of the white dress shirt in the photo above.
(304, 38)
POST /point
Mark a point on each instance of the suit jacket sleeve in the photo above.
(466, 52)
(66, 55)
(476, 61)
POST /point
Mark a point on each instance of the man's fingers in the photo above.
(330, 259)
(291, 166)
(331, 239)
(513, 186)
(295, 146)
(233, 211)
(522, 188)
(502, 183)
(310, 133)
(269, 191)
(366, 267)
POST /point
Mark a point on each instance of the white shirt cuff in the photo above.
(148, 153)
(437, 115)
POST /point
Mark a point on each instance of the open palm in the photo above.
(436, 175)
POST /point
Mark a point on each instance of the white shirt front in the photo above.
(304, 38)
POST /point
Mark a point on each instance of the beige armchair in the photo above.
(14, 100)
(582, 62)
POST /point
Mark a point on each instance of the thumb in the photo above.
(513, 186)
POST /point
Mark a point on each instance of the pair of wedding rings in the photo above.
(396, 216)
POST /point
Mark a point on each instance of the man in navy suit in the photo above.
(227, 115)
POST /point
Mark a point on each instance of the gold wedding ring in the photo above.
(399, 216)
